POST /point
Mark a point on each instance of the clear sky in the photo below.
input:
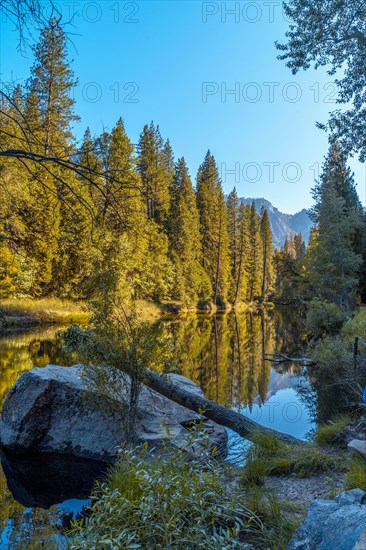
(176, 62)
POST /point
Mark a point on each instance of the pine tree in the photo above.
(185, 238)
(339, 221)
(233, 217)
(124, 209)
(300, 247)
(267, 255)
(50, 85)
(338, 175)
(254, 257)
(241, 285)
(49, 114)
(214, 232)
(156, 168)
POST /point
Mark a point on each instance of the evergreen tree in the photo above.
(299, 246)
(156, 168)
(241, 282)
(254, 257)
(214, 232)
(50, 84)
(233, 217)
(185, 238)
(339, 220)
(267, 255)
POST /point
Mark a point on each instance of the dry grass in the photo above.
(27, 311)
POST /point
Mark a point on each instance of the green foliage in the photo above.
(335, 357)
(170, 501)
(278, 525)
(255, 255)
(268, 457)
(356, 328)
(108, 208)
(324, 318)
(315, 40)
(267, 256)
(327, 434)
(336, 255)
(356, 476)
(8, 270)
(214, 229)
(289, 263)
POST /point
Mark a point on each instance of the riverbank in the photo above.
(28, 312)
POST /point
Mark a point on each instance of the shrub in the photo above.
(324, 318)
(356, 327)
(334, 356)
(169, 501)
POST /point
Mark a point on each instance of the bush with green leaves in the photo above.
(324, 318)
(171, 500)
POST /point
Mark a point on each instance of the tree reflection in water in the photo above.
(224, 354)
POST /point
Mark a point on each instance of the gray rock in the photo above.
(357, 446)
(338, 524)
(52, 410)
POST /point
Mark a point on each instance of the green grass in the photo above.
(279, 519)
(26, 311)
(269, 457)
(327, 433)
(356, 476)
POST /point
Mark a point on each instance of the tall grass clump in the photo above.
(279, 519)
(269, 457)
(327, 434)
(356, 476)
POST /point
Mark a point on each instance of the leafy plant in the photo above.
(324, 318)
(168, 501)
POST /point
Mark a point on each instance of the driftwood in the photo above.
(221, 415)
(279, 358)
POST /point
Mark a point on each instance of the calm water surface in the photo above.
(224, 354)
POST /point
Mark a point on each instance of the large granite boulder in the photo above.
(53, 410)
(338, 524)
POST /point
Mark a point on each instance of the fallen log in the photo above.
(245, 427)
(279, 358)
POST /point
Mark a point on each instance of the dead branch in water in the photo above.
(279, 358)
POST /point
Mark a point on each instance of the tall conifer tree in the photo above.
(214, 231)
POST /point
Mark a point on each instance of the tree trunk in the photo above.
(221, 415)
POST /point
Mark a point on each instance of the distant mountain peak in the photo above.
(283, 224)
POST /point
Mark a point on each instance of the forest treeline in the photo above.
(77, 219)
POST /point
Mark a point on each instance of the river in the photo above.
(224, 354)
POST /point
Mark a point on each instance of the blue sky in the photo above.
(175, 62)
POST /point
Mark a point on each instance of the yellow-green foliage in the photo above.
(327, 433)
(47, 310)
(356, 327)
(356, 476)
(170, 501)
